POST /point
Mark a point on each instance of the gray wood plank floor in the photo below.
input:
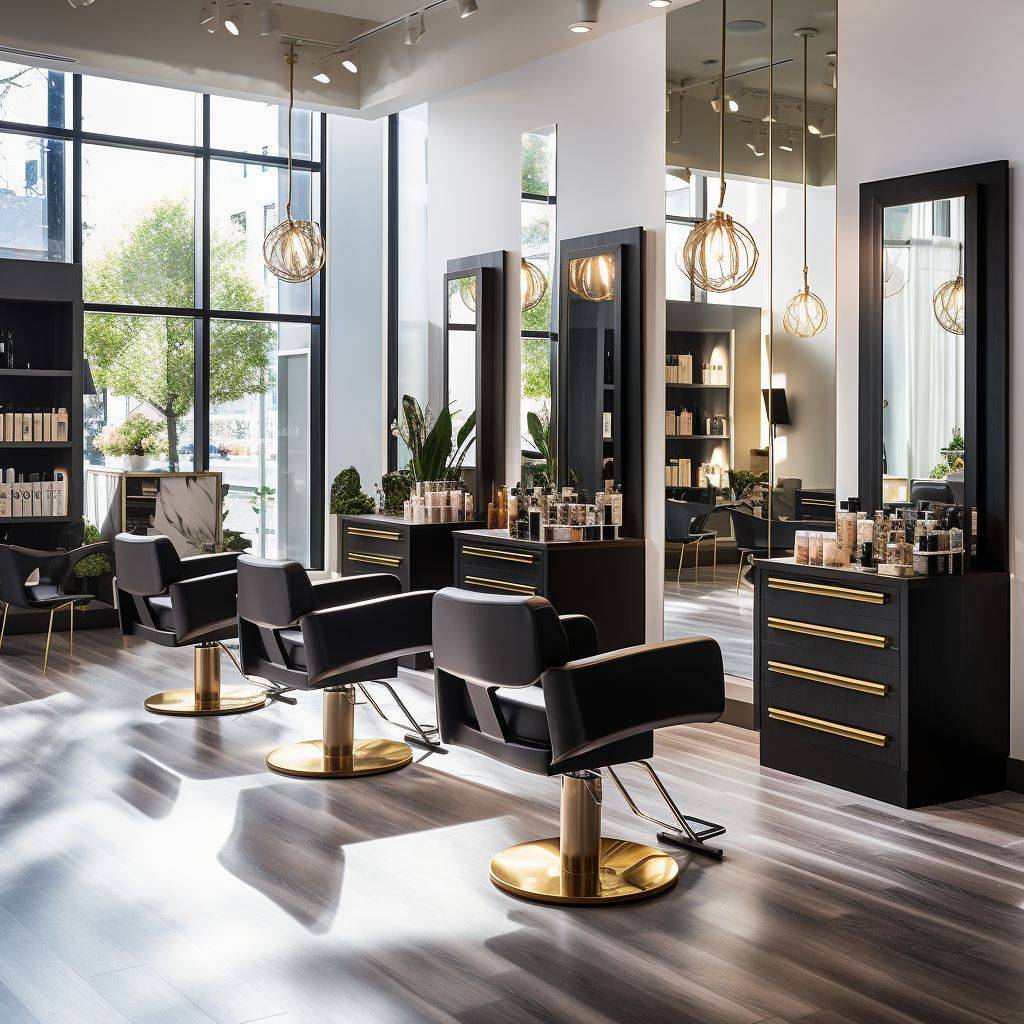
(713, 608)
(152, 871)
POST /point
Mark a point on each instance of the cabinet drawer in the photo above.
(863, 597)
(495, 583)
(358, 561)
(490, 560)
(831, 724)
(866, 686)
(828, 630)
(375, 540)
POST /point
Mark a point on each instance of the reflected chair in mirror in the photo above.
(686, 523)
(337, 636)
(525, 686)
(932, 492)
(183, 602)
(51, 593)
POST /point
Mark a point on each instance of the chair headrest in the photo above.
(146, 566)
(273, 593)
(496, 640)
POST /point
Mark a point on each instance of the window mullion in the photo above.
(201, 423)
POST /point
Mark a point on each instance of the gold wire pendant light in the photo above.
(593, 277)
(948, 302)
(720, 254)
(294, 250)
(805, 315)
(533, 286)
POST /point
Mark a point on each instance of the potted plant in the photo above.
(393, 492)
(539, 461)
(348, 499)
(429, 440)
(96, 571)
(137, 440)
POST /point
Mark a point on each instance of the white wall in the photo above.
(921, 90)
(356, 390)
(607, 98)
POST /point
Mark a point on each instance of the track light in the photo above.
(466, 7)
(586, 16)
(659, 3)
(787, 145)
(830, 75)
(414, 28)
(348, 62)
(79, 3)
(209, 15)
(814, 127)
(270, 20)
(322, 76)
(754, 145)
(233, 23)
(730, 104)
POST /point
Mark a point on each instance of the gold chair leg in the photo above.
(679, 568)
(696, 562)
(739, 573)
(714, 564)
(3, 628)
(71, 607)
(49, 637)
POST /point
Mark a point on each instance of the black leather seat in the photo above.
(335, 635)
(181, 602)
(526, 686)
(51, 593)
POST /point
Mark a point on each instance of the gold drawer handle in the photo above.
(847, 636)
(356, 556)
(828, 590)
(815, 675)
(362, 531)
(847, 732)
(502, 556)
(821, 502)
(513, 588)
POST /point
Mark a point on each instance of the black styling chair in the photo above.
(51, 593)
(526, 686)
(183, 602)
(336, 636)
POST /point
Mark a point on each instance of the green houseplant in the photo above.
(96, 572)
(347, 495)
(433, 456)
(137, 440)
(394, 491)
(540, 459)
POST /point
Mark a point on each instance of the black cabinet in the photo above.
(896, 689)
(419, 554)
(601, 579)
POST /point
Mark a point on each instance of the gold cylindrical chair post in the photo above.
(339, 728)
(206, 673)
(207, 696)
(580, 839)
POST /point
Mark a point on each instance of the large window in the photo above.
(183, 322)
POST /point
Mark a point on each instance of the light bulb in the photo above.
(322, 77)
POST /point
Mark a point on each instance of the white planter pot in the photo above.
(136, 463)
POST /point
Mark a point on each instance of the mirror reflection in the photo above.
(460, 370)
(923, 352)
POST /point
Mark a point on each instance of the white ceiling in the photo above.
(369, 10)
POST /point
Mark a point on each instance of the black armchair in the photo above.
(51, 593)
(524, 686)
(686, 523)
(180, 602)
(336, 636)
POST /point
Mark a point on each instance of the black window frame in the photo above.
(201, 312)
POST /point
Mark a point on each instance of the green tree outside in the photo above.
(152, 359)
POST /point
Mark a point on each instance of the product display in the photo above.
(33, 425)
(564, 516)
(679, 369)
(438, 501)
(33, 496)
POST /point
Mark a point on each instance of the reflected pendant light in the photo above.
(533, 286)
(593, 277)
(894, 277)
(948, 302)
(294, 250)
(720, 254)
(805, 315)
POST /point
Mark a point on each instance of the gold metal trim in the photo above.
(362, 531)
(818, 501)
(357, 556)
(815, 675)
(828, 590)
(503, 556)
(514, 588)
(847, 732)
(846, 636)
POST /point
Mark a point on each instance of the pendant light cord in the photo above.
(804, 148)
(721, 119)
(291, 104)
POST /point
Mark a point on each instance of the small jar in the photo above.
(800, 549)
(815, 548)
(831, 552)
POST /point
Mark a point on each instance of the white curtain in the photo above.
(923, 365)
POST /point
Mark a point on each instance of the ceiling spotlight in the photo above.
(414, 28)
(586, 16)
(322, 77)
(659, 3)
(754, 145)
(814, 127)
(730, 104)
(79, 3)
(787, 146)
(348, 62)
(270, 20)
(466, 7)
(209, 15)
(830, 75)
(233, 23)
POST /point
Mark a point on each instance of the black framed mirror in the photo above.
(473, 364)
(934, 267)
(599, 413)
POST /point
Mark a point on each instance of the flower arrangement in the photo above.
(137, 437)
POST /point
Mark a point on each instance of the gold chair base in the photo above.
(307, 760)
(233, 700)
(629, 872)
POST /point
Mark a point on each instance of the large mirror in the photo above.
(933, 345)
(749, 359)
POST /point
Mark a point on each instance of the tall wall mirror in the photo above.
(933, 314)
(750, 344)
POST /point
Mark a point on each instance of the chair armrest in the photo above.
(581, 634)
(355, 636)
(352, 589)
(207, 565)
(595, 701)
(80, 555)
(203, 603)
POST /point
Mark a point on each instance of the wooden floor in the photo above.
(152, 871)
(712, 607)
